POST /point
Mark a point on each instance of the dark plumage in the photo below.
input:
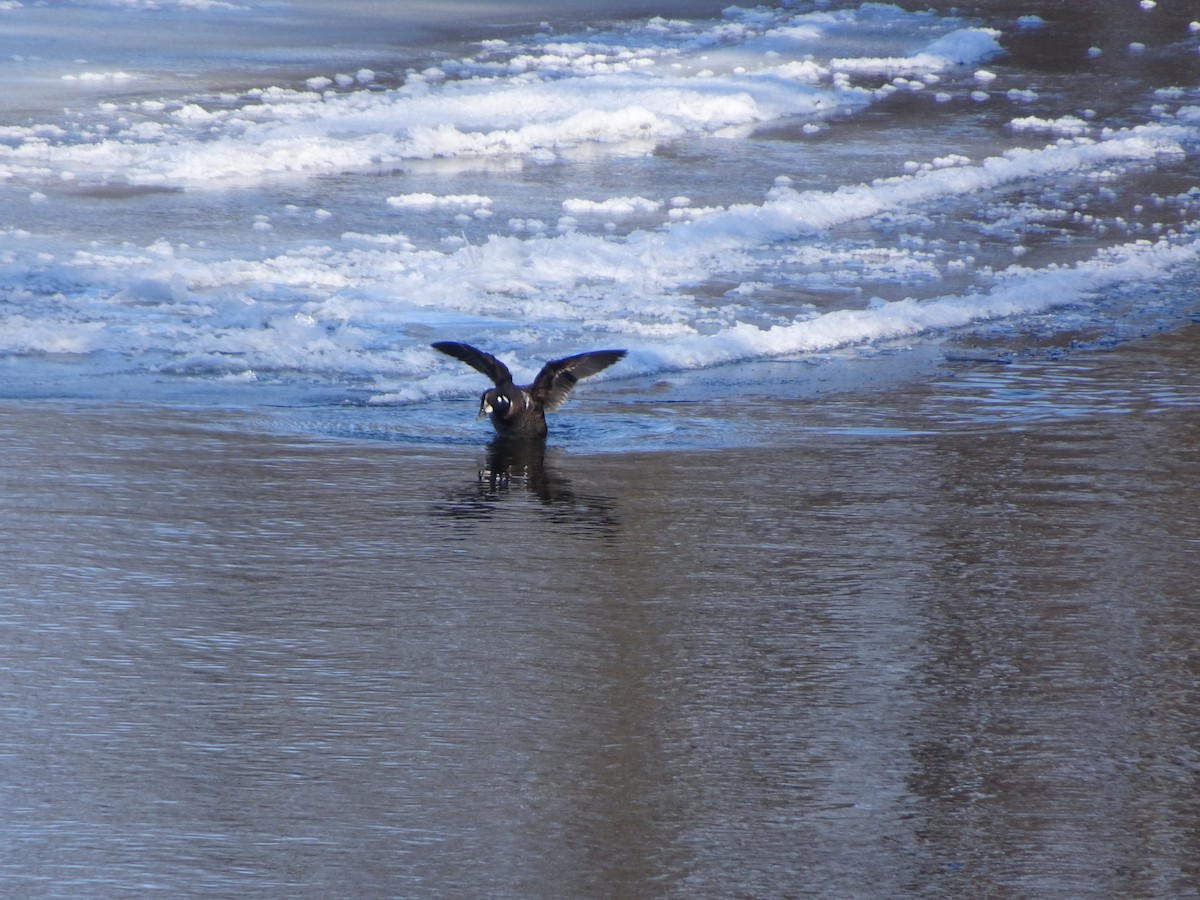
(520, 410)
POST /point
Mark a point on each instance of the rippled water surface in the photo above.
(871, 571)
(930, 641)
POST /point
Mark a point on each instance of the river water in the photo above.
(939, 641)
(870, 572)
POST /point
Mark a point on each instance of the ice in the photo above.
(100, 76)
(1022, 292)
(431, 200)
(507, 100)
(959, 48)
(697, 190)
(1067, 125)
(613, 206)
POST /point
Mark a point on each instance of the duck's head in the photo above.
(493, 403)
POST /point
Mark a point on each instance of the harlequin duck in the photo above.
(520, 411)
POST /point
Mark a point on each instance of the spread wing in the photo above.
(558, 376)
(478, 360)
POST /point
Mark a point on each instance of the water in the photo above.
(870, 572)
(937, 642)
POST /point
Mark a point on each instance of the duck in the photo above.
(519, 411)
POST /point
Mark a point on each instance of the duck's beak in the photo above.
(485, 409)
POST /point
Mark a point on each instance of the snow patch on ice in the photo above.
(613, 206)
(1067, 125)
(431, 200)
(100, 76)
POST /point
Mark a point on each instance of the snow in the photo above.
(561, 190)
(612, 206)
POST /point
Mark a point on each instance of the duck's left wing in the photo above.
(558, 376)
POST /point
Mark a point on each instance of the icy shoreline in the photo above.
(700, 191)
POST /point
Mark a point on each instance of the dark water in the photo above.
(938, 640)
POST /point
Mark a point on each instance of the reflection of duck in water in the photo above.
(519, 411)
(508, 458)
(516, 469)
